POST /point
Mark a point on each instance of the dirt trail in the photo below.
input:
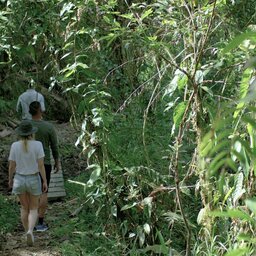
(16, 245)
(46, 244)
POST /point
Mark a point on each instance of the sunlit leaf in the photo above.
(67, 7)
(128, 206)
(146, 228)
(239, 190)
(146, 14)
(114, 210)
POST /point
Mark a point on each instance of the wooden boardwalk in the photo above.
(56, 188)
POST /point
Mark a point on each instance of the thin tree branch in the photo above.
(175, 172)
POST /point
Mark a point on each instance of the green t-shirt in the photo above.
(47, 135)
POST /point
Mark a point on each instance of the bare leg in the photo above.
(33, 212)
(42, 205)
(32, 218)
(24, 211)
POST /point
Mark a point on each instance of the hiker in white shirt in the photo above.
(26, 161)
(26, 98)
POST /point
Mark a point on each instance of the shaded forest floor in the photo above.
(46, 243)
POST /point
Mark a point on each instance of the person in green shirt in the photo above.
(47, 135)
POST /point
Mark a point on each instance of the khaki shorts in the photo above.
(27, 183)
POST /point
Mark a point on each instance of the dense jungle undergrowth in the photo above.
(158, 97)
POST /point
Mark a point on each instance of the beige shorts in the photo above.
(27, 183)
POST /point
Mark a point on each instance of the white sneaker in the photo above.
(30, 238)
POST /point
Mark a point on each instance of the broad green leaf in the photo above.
(238, 40)
(221, 146)
(146, 14)
(251, 204)
(233, 213)
(128, 16)
(179, 112)
(182, 82)
(217, 166)
(128, 206)
(160, 237)
(106, 19)
(238, 252)
(221, 183)
(94, 175)
(231, 164)
(217, 158)
(249, 120)
(71, 72)
(247, 93)
(205, 151)
(82, 65)
(206, 144)
(224, 134)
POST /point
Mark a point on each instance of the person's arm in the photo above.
(42, 172)
(56, 165)
(11, 170)
(18, 106)
(54, 149)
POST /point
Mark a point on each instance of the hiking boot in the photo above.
(41, 227)
(30, 238)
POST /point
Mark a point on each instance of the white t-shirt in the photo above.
(26, 98)
(26, 162)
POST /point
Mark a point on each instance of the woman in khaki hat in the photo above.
(26, 160)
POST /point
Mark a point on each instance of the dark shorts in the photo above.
(48, 170)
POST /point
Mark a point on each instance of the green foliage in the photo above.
(4, 105)
(85, 233)
(148, 85)
(9, 217)
(227, 151)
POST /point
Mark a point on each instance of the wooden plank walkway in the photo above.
(56, 188)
